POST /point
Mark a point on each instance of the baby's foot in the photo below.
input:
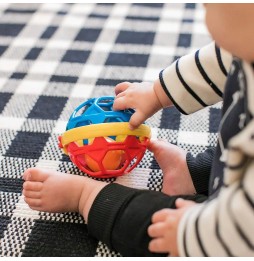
(51, 191)
(172, 161)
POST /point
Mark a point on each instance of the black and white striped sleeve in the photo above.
(223, 226)
(197, 80)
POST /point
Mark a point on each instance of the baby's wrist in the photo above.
(161, 95)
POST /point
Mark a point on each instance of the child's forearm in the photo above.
(161, 95)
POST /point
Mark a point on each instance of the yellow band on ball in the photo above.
(103, 130)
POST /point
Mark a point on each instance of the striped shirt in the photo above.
(224, 224)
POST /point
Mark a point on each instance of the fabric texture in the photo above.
(126, 229)
(54, 57)
(232, 167)
(200, 169)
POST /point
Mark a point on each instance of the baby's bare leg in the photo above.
(52, 191)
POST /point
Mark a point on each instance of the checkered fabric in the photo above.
(54, 57)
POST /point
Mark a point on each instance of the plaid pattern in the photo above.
(55, 56)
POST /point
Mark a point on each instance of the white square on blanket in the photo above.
(194, 138)
(31, 87)
(44, 67)
(11, 123)
(8, 65)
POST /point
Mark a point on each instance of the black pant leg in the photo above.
(121, 215)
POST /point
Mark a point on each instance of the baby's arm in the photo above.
(197, 80)
(192, 82)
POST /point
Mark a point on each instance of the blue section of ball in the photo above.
(97, 110)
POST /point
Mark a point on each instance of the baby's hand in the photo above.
(138, 96)
(164, 228)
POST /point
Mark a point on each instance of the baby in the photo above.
(180, 220)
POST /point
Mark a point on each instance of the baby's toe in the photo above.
(32, 186)
(33, 203)
(31, 194)
(35, 174)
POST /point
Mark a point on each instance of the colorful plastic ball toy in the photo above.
(99, 142)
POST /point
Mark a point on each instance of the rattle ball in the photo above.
(98, 139)
(111, 161)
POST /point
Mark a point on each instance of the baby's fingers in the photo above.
(121, 103)
(156, 230)
(158, 245)
(162, 215)
(136, 119)
(121, 87)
